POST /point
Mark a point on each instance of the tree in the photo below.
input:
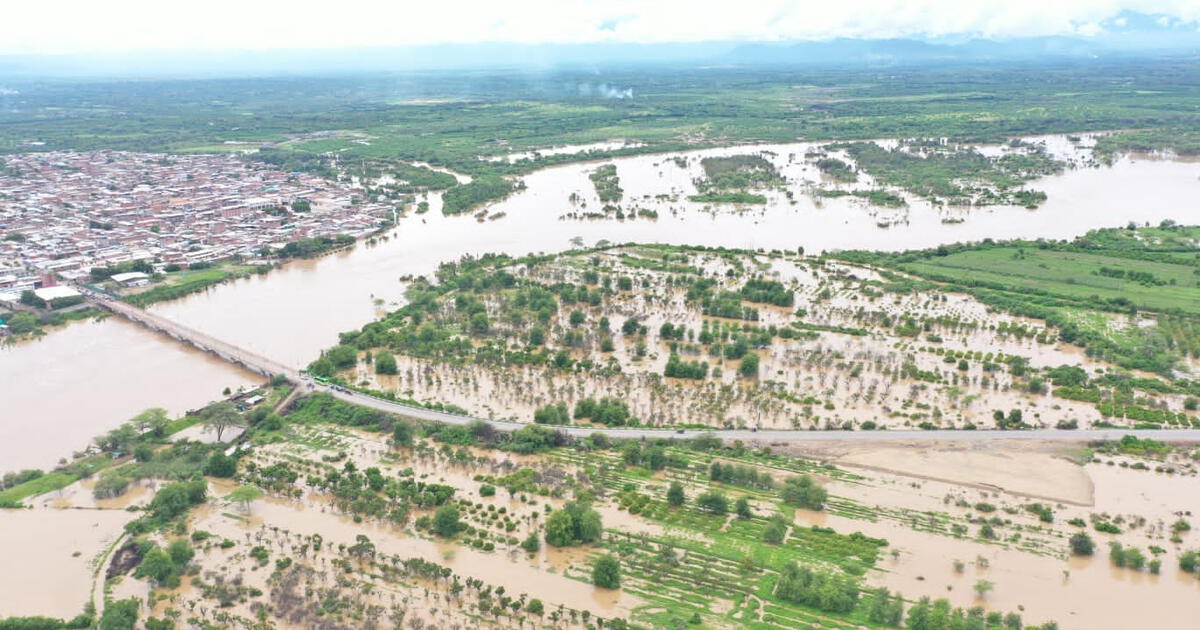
(803, 492)
(819, 589)
(110, 484)
(119, 440)
(157, 566)
(322, 367)
(22, 323)
(537, 336)
(713, 502)
(560, 529)
(552, 414)
(181, 552)
(606, 572)
(706, 441)
(153, 421)
(220, 465)
(445, 521)
(575, 524)
(480, 323)
(742, 508)
(244, 495)
(362, 547)
(749, 366)
(535, 607)
(588, 527)
(174, 499)
(1082, 544)
(221, 416)
(885, 608)
(532, 542)
(982, 588)
(775, 530)
(143, 452)
(342, 356)
(385, 363)
(402, 433)
(675, 495)
(1189, 562)
(120, 615)
(656, 458)
(29, 298)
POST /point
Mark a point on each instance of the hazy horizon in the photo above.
(134, 38)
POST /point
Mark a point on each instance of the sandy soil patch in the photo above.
(1033, 471)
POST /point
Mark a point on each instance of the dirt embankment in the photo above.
(1036, 470)
(124, 560)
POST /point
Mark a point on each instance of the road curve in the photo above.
(1166, 435)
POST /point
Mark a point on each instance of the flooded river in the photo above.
(78, 382)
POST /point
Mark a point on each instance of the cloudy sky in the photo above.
(73, 26)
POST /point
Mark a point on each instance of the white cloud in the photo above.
(111, 25)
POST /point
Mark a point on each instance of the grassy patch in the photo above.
(181, 283)
(1072, 275)
(48, 482)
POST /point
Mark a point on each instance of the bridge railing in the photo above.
(248, 358)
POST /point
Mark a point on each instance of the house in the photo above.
(131, 279)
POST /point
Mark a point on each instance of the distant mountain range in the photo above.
(1137, 35)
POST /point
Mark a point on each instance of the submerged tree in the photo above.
(244, 495)
(575, 524)
(606, 572)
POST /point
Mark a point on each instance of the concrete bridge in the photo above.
(239, 356)
(269, 368)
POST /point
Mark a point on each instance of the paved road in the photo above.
(1169, 435)
(266, 366)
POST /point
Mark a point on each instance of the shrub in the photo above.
(817, 589)
(445, 521)
(575, 524)
(1082, 544)
(775, 530)
(606, 572)
(713, 502)
(803, 492)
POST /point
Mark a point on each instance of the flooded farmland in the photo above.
(293, 313)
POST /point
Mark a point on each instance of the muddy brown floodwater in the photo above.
(517, 572)
(1079, 593)
(76, 383)
(48, 555)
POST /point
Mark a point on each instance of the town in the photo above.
(63, 214)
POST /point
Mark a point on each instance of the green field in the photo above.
(180, 283)
(452, 118)
(1083, 288)
(1070, 275)
(46, 483)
